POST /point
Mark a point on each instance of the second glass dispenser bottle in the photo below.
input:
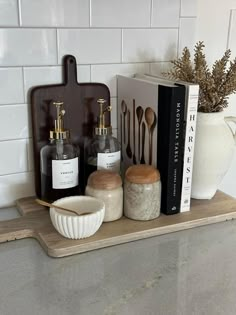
(103, 150)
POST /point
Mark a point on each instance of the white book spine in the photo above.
(191, 119)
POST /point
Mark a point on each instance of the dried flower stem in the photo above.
(215, 85)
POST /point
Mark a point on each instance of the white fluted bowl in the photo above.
(73, 226)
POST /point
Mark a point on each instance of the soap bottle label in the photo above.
(65, 173)
(109, 161)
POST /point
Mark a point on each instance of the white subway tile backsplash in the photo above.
(16, 126)
(187, 36)
(34, 76)
(13, 157)
(83, 73)
(165, 13)
(15, 186)
(8, 13)
(20, 47)
(107, 73)
(140, 45)
(122, 13)
(188, 8)
(64, 13)
(11, 87)
(107, 37)
(90, 45)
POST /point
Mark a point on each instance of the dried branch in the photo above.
(215, 84)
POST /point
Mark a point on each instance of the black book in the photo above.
(170, 144)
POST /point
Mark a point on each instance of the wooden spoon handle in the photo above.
(121, 137)
(124, 134)
(139, 150)
(134, 134)
(151, 148)
(142, 161)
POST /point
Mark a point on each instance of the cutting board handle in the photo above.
(15, 229)
(70, 70)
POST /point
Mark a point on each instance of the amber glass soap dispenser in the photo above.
(59, 162)
(103, 150)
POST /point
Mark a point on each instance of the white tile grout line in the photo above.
(85, 64)
(19, 12)
(178, 39)
(180, 4)
(57, 47)
(49, 66)
(12, 104)
(229, 29)
(15, 139)
(121, 45)
(91, 28)
(180, 8)
(151, 13)
(10, 174)
(28, 149)
(24, 85)
(90, 13)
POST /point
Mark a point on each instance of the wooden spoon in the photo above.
(139, 113)
(124, 110)
(150, 117)
(142, 160)
(50, 205)
(128, 148)
(134, 135)
(121, 137)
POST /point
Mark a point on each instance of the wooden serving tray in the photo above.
(35, 222)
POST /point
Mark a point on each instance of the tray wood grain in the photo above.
(35, 222)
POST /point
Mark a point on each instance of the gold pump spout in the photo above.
(101, 129)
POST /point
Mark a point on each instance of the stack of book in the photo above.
(156, 125)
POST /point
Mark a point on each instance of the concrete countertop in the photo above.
(188, 272)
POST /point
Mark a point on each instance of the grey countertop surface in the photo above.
(188, 272)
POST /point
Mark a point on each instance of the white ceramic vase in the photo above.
(213, 153)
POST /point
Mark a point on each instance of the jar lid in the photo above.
(142, 174)
(104, 179)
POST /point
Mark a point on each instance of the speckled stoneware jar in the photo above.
(142, 192)
(107, 186)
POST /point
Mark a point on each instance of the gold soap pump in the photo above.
(59, 162)
(101, 129)
(59, 132)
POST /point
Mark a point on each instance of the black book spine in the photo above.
(171, 102)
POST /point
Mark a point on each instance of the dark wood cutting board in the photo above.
(80, 104)
(35, 222)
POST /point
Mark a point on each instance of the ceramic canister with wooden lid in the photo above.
(142, 192)
(107, 186)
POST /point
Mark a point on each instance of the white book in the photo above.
(190, 131)
(191, 107)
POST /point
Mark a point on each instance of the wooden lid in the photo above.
(104, 179)
(142, 174)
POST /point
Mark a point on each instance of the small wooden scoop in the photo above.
(50, 205)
